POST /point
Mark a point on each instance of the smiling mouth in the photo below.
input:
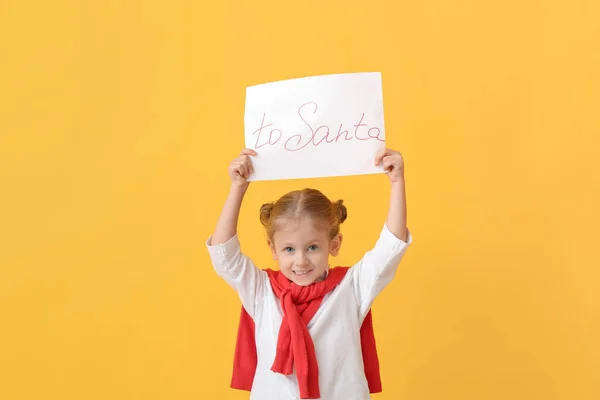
(302, 273)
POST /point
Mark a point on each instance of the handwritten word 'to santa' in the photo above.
(315, 136)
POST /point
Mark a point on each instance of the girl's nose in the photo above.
(302, 260)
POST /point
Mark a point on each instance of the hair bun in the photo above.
(342, 211)
(265, 213)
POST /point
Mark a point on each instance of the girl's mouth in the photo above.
(302, 273)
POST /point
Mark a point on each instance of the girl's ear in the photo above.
(272, 248)
(335, 244)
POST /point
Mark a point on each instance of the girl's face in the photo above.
(302, 250)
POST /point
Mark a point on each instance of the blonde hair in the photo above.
(309, 203)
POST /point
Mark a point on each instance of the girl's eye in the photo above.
(313, 247)
(288, 249)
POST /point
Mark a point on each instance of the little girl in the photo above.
(306, 330)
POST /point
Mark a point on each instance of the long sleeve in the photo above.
(239, 272)
(377, 268)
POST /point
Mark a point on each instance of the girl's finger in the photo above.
(388, 163)
(248, 152)
(237, 167)
(248, 163)
(242, 169)
(381, 154)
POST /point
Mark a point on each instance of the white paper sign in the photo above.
(329, 125)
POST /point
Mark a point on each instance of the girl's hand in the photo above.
(241, 168)
(393, 164)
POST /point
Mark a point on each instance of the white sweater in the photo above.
(335, 328)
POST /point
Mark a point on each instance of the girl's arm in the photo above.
(226, 255)
(393, 165)
(378, 266)
(239, 171)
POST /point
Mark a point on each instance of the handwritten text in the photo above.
(313, 136)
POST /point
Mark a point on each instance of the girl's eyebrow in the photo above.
(309, 243)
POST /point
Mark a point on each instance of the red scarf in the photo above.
(294, 344)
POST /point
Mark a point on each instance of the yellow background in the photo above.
(118, 120)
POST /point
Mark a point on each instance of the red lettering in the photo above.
(340, 134)
(324, 137)
(299, 136)
(259, 130)
(300, 140)
(358, 126)
(271, 136)
(376, 135)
